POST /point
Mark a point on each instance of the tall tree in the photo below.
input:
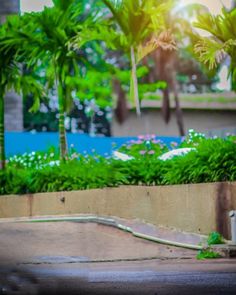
(177, 29)
(48, 40)
(11, 77)
(139, 26)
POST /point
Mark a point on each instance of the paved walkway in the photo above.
(73, 242)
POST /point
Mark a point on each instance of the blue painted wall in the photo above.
(21, 142)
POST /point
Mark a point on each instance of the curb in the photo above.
(224, 250)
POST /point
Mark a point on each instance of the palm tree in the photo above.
(48, 40)
(212, 50)
(59, 26)
(11, 77)
(165, 59)
(139, 26)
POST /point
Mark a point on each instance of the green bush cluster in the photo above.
(214, 238)
(82, 172)
(213, 160)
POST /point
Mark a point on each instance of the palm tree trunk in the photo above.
(165, 109)
(62, 129)
(134, 84)
(2, 136)
(179, 114)
(164, 76)
(121, 110)
(178, 110)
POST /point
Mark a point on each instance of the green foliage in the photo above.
(222, 41)
(137, 19)
(207, 254)
(51, 33)
(138, 30)
(42, 172)
(34, 160)
(213, 160)
(78, 174)
(192, 139)
(96, 86)
(148, 90)
(46, 38)
(215, 238)
(14, 181)
(12, 55)
(146, 170)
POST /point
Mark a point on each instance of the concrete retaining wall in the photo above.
(199, 208)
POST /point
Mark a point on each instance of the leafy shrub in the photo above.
(207, 254)
(14, 181)
(193, 139)
(215, 238)
(38, 160)
(34, 159)
(141, 171)
(214, 160)
(82, 173)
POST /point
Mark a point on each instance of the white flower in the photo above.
(122, 156)
(177, 152)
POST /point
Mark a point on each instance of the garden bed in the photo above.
(144, 163)
(155, 183)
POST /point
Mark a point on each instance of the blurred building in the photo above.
(9, 7)
(13, 102)
(209, 113)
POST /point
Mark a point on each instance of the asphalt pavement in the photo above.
(88, 258)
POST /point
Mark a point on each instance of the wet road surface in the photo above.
(72, 258)
(140, 277)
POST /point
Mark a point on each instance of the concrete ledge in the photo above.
(196, 208)
(225, 250)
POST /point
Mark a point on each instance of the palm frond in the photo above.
(210, 52)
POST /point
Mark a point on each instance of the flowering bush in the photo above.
(193, 139)
(39, 160)
(33, 160)
(145, 145)
(212, 160)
